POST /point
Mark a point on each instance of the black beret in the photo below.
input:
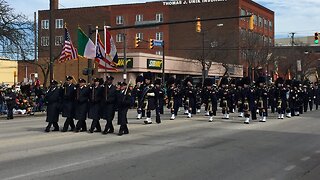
(82, 80)
(68, 78)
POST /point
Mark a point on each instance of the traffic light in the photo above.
(198, 25)
(136, 42)
(251, 23)
(316, 38)
(151, 43)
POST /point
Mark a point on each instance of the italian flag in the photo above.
(86, 47)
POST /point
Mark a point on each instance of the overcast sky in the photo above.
(299, 16)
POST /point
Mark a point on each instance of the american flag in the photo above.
(68, 52)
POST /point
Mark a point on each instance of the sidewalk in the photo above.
(2, 117)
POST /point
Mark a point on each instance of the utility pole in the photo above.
(51, 25)
(35, 41)
(163, 63)
(124, 58)
(292, 38)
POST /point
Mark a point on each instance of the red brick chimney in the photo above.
(54, 4)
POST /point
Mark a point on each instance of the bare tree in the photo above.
(16, 32)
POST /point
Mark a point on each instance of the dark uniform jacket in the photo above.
(108, 101)
(53, 100)
(69, 95)
(123, 103)
(96, 97)
(82, 100)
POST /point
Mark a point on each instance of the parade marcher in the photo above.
(232, 93)
(189, 93)
(160, 95)
(210, 98)
(311, 95)
(10, 98)
(316, 95)
(262, 98)
(305, 95)
(281, 97)
(81, 105)
(149, 98)
(68, 103)
(109, 104)
(96, 97)
(249, 106)
(198, 96)
(289, 98)
(53, 100)
(239, 97)
(272, 99)
(123, 103)
(223, 95)
(174, 96)
(137, 94)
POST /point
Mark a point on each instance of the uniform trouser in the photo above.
(95, 125)
(109, 126)
(281, 110)
(67, 123)
(124, 128)
(311, 105)
(81, 125)
(158, 120)
(175, 108)
(55, 125)
(263, 112)
(254, 113)
(10, 113)
(317, 105)
(305, 106)
(161, 104)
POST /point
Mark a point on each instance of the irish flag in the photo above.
(86, 47)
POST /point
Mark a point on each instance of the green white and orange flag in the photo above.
(86, 47)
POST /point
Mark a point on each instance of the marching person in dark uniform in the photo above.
(223, 95)
(149, 98)
(174, 96)
(68, 103)
(316, 95)
(210, 98)
(109, 104)
(189, 93)
(160, 95)
(96, 96)
(311, 96)
(281, 97)
(272, 98)
(123, 103)
(53, 100)
(239, 97)
(294, 98)
(198, 96)
(249, 106)
(233, 90)
(262, 98)
(10, 98)
(137, 94)
(305, 96)
(289, 98)
(81, 106)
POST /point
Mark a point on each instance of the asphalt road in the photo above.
(180, 149)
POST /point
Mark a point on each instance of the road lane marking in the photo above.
(289, 168)
(305, 158)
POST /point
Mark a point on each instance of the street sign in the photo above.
(157, 42)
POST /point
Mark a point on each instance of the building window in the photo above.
(255, 19)
(159, 36)
(159, 17)
(270, 26)
(260, 21)
(45, 41)
(59, 23)
(140, 36)
(119, 38)
(58, 40)
(243, 12)
(45, 24)
(139, 17)
(265, 23)
(119, 20)
(158, 52)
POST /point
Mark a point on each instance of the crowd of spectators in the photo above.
(28, 100)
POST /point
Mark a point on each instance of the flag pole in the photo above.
(105, 47)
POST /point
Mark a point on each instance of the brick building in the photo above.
(181, 40)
